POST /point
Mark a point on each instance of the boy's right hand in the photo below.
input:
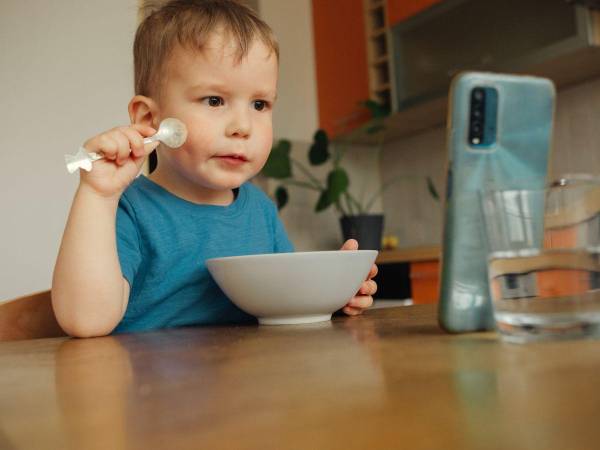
(124, 153)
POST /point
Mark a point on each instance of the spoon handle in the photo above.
(151, 139)
(84, 159)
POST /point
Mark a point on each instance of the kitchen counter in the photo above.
(410, 254)
(388, 379)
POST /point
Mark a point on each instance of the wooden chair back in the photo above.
(28, 317)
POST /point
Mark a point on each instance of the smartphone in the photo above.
(499, 136)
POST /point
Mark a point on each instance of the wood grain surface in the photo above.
(388, 379)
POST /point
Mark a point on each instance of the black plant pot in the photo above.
(365, 228)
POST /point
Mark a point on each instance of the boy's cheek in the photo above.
(199, 143)
(264, 136)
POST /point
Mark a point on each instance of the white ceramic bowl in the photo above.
(291, 288)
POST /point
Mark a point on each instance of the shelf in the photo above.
(384, 59)
(378, 59)
(382, 87)
(377, 33)
(401, 124)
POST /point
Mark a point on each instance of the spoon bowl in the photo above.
(171, 132)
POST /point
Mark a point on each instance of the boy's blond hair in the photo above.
(189, 24)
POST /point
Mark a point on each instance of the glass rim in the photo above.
(535, 251)
(566, 180)
(571, 179)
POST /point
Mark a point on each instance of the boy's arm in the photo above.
(89, 293)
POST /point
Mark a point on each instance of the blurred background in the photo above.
(67, 75)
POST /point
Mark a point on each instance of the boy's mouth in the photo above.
(232, 158)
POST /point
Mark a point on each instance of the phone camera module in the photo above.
(482, 117)
(477, 116)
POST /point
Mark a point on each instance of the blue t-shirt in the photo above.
(163, 242)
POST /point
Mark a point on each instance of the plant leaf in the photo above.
(321, 137)
(378, 110)
(278, 164)
(318, 154)
(281, 195)
(324, 201)
(319, 150)
(337, 183)
(432, 190)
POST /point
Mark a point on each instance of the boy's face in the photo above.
(227, 108)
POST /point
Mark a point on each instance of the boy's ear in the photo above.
(143, 110)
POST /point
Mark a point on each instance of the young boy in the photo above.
(133, 252)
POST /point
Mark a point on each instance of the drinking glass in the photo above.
(543, 259)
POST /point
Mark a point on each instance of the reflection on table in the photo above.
(387, 379)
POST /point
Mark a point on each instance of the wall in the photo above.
(416, 219)
(66, 75)
(295, 115)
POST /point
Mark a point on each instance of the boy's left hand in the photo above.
(364, 297)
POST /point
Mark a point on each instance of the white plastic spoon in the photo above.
(171, 132)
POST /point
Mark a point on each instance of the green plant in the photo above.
(334, 189)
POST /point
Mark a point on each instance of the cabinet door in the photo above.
(399, 10)
(341, 63)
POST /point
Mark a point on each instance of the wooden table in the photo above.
(388, 379)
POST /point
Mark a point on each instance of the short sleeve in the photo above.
(128, 241)
(282, 241)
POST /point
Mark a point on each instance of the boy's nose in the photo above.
(239, 125)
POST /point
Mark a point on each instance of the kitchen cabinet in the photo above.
(399, 10)
(425, 281)
(410, 272)
(341, 64)
(351, 40)
(429, 41)
(357, 56)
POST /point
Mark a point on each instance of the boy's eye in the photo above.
(214, 101)
(259, 105)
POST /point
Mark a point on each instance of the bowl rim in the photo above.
(300, 254)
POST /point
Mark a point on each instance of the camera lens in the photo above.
(478, 94)
(477, 113)
(476, 128)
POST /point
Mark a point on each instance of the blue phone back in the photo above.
(517, 158)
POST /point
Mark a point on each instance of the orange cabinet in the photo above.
(341, 63)
(399, 10)
(425, 281)
(423, 272)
